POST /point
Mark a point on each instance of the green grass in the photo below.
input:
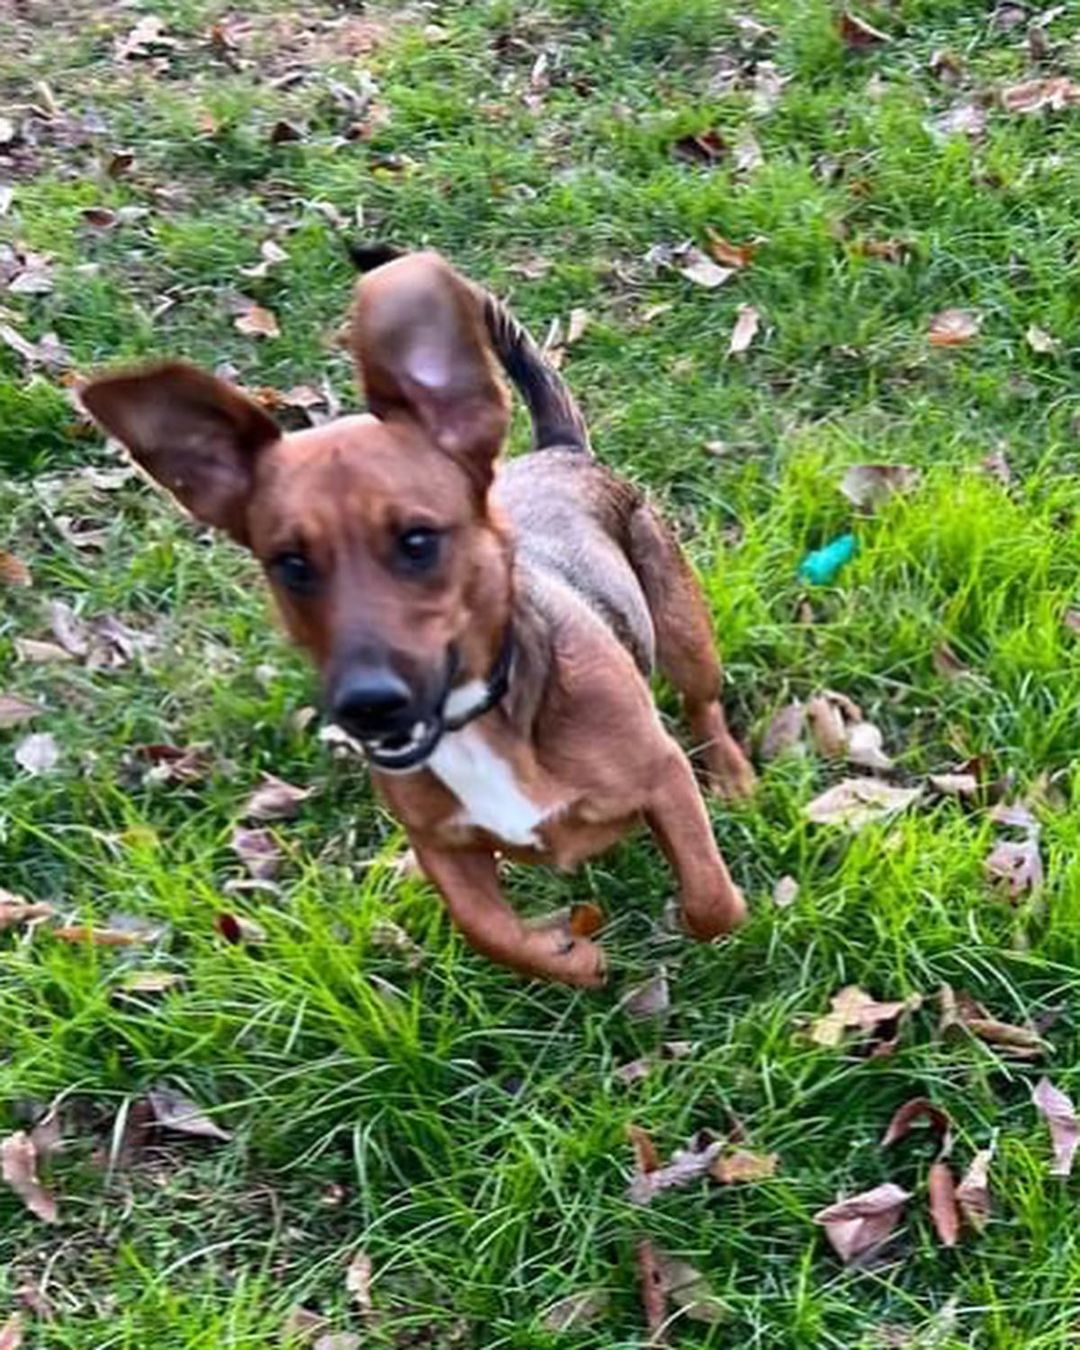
(464, 1129)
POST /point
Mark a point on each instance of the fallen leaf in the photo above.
(869, 485)
(746, 328)
(1016, 864)
(857, 802)
(1060, 1115)
(947, 664)
(857, 34)
(301, 1325)
(37, 753)
(339, 1340)
(954, 784)
(34, 277)
(18, 1166)
(651, 999)
(150, 981)
(358, 1283)
(689, 1290)
(702, 271)
(911, 1113)
(784, 732)
(39, 653)
(238, 931)
(1016, 814)
(271, 255)
(1056, 92)
(176, 764)
(854, 1009)
(13, 571)
(827, 728)
(646, 1158)
(743, 1166)
(11, 1333)
(576, 326)
(864, 747)
(15, 711)
(286, 133)
(945, 66)
(767, 89)
(702, 147)
(105, 936)
(15, 911)
(963, 1011)
(962, 119)
(857, 1227)
(953, 328)
(386, 935)
(633, 1072)
(944, 1210)
(785, 892)
(1039, 340)
(1007, 15)
(255, 321)
(275, 799)
(747, 154)
(173, 1111)
(653, 1293)
(728, 254)
(574, 1311)
(885, 250)
(973, 1192)
(686, 1166)
(148, 32)
(997, 466)
(258, 851)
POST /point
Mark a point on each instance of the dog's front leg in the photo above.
(469, 883)
(711, 902)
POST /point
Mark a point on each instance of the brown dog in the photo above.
(488, 637)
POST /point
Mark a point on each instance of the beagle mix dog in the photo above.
(486, 630)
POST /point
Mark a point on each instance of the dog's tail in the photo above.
(556, 418)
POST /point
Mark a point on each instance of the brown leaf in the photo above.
(961, 1010)
(953, 328)
(973, 1193)
(747, 155)
(1039, 340)
(857, 34)
(885, 250)
(827, 728)
(275, 800)
(945, 66)
(857, 1227)
(646, 1158)
(286, 133)
(944, 1211)
(854, 1009)
(653, 1293)
(358, 1283)
(689, 1290)
(176, 764)
(39, 653)
(301, 1325)
(148, 32)
(962, 119)
(575, 1311)
(34, 277)
(173, 1111)
(1060, 1114)
(13, 571)
(908, 1115)
(650, 999)
(150, 981)
(238, 931)
(746, 328)
(869, 485)
(1007, 15)
(105, 936)
(702, 271)
(15, 711)
(947, 664)
(258, 851)
(784, 732)
(576, 325)
(1017, 865)
(18, 1166)
(15, 911)
(686, 1166)
(864, 747)
(633, 1072)
(270, 255)
(743, 1166)
(1056, 92)
(785, 892)
(728, 254)
(37, 753)
(702, 147)
(11, 1333)
(339, 1340)
(954, 784)
(255, 321)
(857, 802)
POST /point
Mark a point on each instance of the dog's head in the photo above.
(373, 530)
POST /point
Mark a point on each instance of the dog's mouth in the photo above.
(401, 752)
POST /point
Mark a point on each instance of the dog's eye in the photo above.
(419, 548)
(295, 573)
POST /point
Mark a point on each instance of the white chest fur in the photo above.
(482, 781)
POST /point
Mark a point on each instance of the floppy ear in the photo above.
(195, 434)
(420, 342)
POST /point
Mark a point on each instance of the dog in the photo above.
(486, 630)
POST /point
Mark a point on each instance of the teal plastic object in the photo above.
(821, 566)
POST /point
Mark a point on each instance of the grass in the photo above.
(465, 1130)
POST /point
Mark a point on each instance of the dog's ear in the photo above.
(420, 343)
(195, 434)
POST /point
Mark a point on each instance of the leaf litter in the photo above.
(858, 1227)
(1058, 1111)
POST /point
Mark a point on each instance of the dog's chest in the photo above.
(490, 794)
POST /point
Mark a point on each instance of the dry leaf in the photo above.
(864, 747)
(358, 1283)
(702, 147)
(885, 250)
(15, 911)
(270, 254)
(339, 1340)
(150, 981)
(997, 466)
(953, 328)
(1016, 864)
(284, 132)
(133, 934)
(302, 1324)
(857, 1227)
(944, 1210)
(702, 271)
(728, 254)
(1056, 92)
(15, 711)
(689, 1290)
(747, 154)
(258, 851)
(576, 325)
(646, 1158)
(743, 1166)
(686, 1166)
(827, 728)
(11, 1333)
(633, 1072)
(575, 1311)
(13, 571)
(255, 321)
(1060, 1114)
(148, 32)
(947, 664)
(39, 653)
(173, 1111)
(954, 784)
(963, 1011)
(854, 1009)
(653, 1292)
(18, 1166)
(650, 999)
(857, 34)
(37, 753)
(1039, 340)
(910, 1114)
(857, 802)
(869, 485)
(768, 87)
(238, 931)
(176, 764)
(945, 66)
(784, 732)
(275, 800)
(962, 119)
(973, 1193)
(746, 328)
(785, 892)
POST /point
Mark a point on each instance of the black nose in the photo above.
(370, 699)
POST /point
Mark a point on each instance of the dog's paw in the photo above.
(713, 917)
(729, 773)
(574, 960)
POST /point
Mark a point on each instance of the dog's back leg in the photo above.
(685, 650)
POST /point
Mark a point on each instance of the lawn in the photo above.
(387, 1094)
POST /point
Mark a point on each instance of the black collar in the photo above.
(497, 683)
